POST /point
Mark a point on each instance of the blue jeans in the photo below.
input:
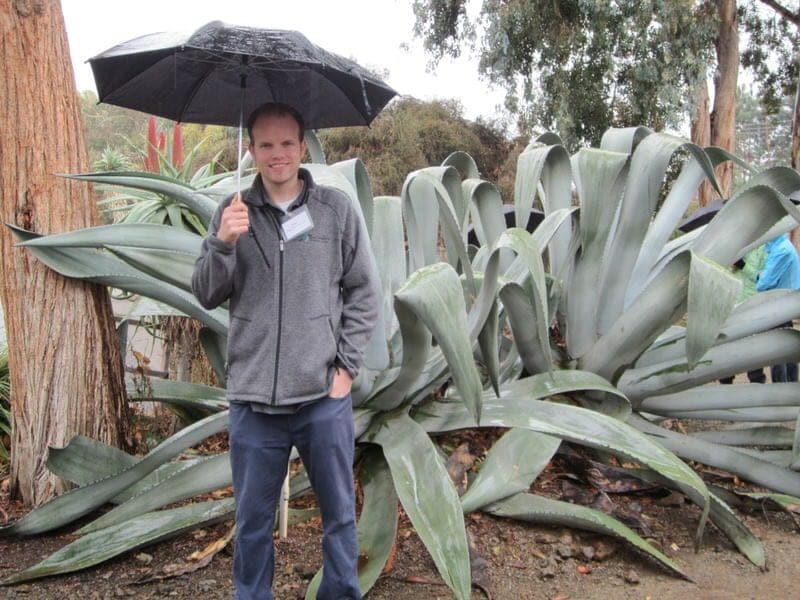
(260, 445)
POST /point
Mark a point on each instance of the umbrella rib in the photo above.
(353, 104)
(193, 93)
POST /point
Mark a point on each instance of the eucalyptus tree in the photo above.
(580, 67)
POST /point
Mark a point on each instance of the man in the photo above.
(781, 271)
(292, 258)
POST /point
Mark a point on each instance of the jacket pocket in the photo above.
(307, 353)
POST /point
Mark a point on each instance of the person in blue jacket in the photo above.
(781, 271)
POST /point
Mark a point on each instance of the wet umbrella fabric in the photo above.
(221, 72)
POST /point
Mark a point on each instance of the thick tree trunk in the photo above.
(64, 359)
(723, 117)
(701, 133)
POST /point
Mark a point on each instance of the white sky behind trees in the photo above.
(372, 32)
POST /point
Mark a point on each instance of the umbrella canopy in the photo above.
(702, 215)
(220, 72)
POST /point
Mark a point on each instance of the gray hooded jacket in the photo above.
(298, 309)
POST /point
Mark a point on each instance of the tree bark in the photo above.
(701, 133)
(723, 117)
(64, 360)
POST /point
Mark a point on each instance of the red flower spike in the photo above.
(151, 160)
(177, 146)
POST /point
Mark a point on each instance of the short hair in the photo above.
(275, 109)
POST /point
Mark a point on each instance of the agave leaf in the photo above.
(84, 460)
(198, 202)
(724, 360)
(658, 306)
(355, 172)
(423, 190)
(206, 475)
(749, 214)
(763, 414)
(388, 246)
(216, 348)
(315, 151)
(668, 217)
(487, 340)
(743, 395)
(76, 503)
(752, 469)
(522, 244)
(434, 510)
(165, 265)
(623, 139)
(433, 295)
(377, 524)
(166, 390)
(538, 509)
(707, 280)
(463, 163)
(550, 167)
(517, 407)
(528, 340)
(450, 180)
(599, 178)
(100, 267)
(510, 467)
(123, 235)
(724, 518)
(761, 312)
(146, 529)
(649, 164)
(783, 179)
(785, 501)
(768, 435)
(486, 210)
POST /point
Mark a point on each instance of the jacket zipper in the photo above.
(280, 324)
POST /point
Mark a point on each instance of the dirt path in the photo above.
(524, 562)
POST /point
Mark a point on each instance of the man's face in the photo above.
(277, 149)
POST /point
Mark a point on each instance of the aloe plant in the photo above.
(612, 315)
(158, 201)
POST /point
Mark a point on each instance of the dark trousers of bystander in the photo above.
(787, 372)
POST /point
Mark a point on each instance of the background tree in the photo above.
(411, 134)
(773, 53)
(63, 353)
(580, 67)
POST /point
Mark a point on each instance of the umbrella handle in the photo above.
(243, 85)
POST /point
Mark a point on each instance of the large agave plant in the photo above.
(594, 300)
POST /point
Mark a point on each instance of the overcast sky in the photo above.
(373, 32)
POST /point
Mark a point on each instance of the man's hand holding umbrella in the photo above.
(234, 222)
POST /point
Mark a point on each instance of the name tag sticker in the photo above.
(296, 223)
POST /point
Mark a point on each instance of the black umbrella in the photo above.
(702, 215)
(220, 72)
